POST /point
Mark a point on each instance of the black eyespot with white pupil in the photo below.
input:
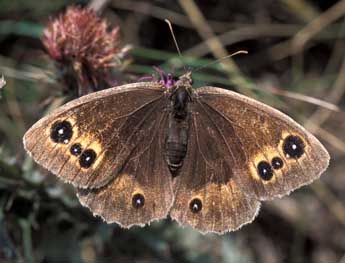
(76, 149)
(61, 132)
(138, 201)
(195, 205)
(87, 158)
(265, 170)
(293, 147)
(277, 163)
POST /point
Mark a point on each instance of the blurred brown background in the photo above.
(296, 49)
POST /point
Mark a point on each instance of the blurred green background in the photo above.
(295, 47)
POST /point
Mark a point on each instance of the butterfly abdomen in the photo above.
(177, 133)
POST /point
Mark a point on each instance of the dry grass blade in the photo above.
(149, 9)
(302, 8)
(333, 140)
(98, 5)
(243, 33)
(317, 25)
(337, 92)
(2, 82)
(312, 100)
(30, 74)
(216, 47)
(300, 40)
(336, 207)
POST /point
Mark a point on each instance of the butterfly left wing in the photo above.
(142, 192)
(86, 141)
(206, 195)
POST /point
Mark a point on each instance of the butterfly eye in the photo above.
(195, 205)
(277, 163)
(61, 132)
(87, 158)
(138, 201)
(265, 170)
(293, 147)
(76, 149)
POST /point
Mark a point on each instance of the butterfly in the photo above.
(206, 157)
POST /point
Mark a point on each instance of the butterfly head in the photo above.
(185, 80)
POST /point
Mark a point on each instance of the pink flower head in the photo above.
(80, 35)
(84, 47)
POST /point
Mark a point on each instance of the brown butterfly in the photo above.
(206, 157)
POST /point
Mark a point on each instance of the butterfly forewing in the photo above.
(273, 154)
(86, 141)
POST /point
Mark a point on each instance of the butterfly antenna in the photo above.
(174, 38)
(220, 59)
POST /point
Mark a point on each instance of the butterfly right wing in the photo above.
(106, 126)
(206, 195)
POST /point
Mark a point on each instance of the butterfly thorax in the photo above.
(177, 133)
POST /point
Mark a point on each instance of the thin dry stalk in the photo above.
(162, 14)
(299, 42)
(98, 5)
(245, 33)
(317, 25)
(301, 97)
(216, 47)
(330, 138)
(335, 206)
(302, 8)
(337, 92)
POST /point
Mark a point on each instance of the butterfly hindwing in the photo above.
(142, 191)
(87, 141)
(206, 195)
(273, 154)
